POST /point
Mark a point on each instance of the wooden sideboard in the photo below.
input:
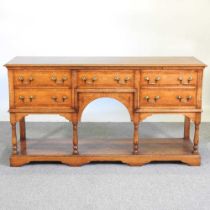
(66, 85)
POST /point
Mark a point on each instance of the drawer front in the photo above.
(36, 78)
(168, 77)
(109, 78)
(167, 97)
(42, 97)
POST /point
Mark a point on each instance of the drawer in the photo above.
(108, 78)
(168, 77)
(167, 97)
(42, 97)
(36, 78)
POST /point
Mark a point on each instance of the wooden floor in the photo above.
(99, 150)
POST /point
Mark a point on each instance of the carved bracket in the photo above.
(195, 117)
(16, 117)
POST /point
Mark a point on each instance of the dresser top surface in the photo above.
(103, 61)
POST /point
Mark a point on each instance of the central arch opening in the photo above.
(105, 110)
(105, 128)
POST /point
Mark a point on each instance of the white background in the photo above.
(104, 28)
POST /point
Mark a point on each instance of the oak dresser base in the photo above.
(144, 85)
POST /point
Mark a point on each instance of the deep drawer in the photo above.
(42, 97)
(167, 97)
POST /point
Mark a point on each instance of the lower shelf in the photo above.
(119, 150)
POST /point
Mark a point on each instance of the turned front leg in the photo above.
(196, 138)
(136, 138)
(187, 128)
(14, 138)
(22, 129)
(75, 138)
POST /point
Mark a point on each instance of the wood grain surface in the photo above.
(105, 61)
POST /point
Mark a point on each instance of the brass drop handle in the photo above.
(54, 98)
(64, 78)
(22, 98)
(31, 79)
(127, 79)
(31, 98)
(157, 98)
(25, 82)
(21, 78)
(184, 100)
(122, 81)
(179, 98)
(64, 98)
(152, 83)
(84, 78)
(152, 100)
(116, 78)
(89, 81)
(181, 80)
(190, 79)
(55, 79)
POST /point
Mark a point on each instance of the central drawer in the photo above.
(156, 97)
(42, 97)
(106, 78)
